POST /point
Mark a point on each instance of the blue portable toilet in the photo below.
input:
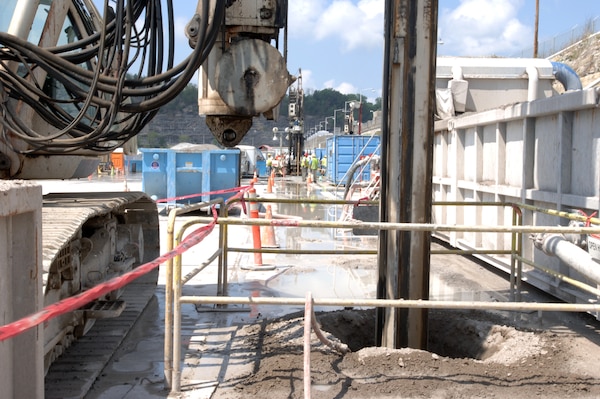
(320, 152)
(133, 163)
(343, 151)
(261, 167)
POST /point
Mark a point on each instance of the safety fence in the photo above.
(516, 230)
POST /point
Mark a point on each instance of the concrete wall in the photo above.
(21, 357)
(544, 153)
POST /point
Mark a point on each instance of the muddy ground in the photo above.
(471, 354)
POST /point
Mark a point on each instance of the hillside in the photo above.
(584, 58)
(181, 123)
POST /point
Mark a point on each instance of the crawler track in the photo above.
(93, 234)
(72, 374)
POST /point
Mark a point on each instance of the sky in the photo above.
(338, 44)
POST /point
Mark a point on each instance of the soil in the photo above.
(472, 354)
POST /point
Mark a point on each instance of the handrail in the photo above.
(168, 344)
(404, 226)
(172, 364)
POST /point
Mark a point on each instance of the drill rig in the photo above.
(76, 84)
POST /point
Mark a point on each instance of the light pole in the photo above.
(348, 103)
(335, 119)
(360, 108)
(329, 117)
(348, 127)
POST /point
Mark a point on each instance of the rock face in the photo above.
(169, 128)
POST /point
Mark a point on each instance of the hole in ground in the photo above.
(452, 333)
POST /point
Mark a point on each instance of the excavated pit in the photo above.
(455, 334)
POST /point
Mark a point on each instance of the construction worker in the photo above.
(304, 165)
(324, 165)
(269, 164)
(314, 167)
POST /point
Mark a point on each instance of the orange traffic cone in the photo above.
(272, 178)
(270, 184)
(256, 240)
(268, 233)
(309, 179)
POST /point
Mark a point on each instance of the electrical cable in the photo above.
(86, 89)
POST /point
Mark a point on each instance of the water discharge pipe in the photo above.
(351, 172)
(566, 76)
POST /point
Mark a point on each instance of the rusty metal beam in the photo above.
(407, 154)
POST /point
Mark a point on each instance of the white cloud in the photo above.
(303, 16)
(307, 79)
(483, 28)
(344, 87)
(329, 84)
(355, 24)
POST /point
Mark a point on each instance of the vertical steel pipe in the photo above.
(407, 153)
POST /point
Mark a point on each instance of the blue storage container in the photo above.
(343, 151)
(155, 170)
(221, 171)
(183, 175)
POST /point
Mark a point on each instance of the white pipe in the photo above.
(336, 346)
(402, 226)
(397, 303)
(457, 73)
(22, 19)
(307, 331)
(534, 77)
(569, 253)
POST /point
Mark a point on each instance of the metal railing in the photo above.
(175, 298)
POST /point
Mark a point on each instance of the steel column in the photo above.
(407, 151)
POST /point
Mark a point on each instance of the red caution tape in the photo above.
(75, 302)
(184, 197)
